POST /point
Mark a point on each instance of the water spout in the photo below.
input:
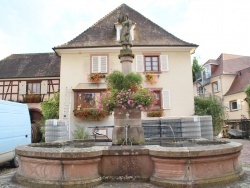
(172, 132)
(126, 135)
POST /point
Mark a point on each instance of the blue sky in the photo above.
(217, 26)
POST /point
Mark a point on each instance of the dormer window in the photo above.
(118, 28)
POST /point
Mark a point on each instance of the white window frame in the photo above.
(238, 103)
(99, 67)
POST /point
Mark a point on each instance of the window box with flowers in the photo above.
(155, 113)
(32, 98)
(95, 77)
(91, 114)
(151, 78)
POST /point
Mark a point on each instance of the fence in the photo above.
(194, 127)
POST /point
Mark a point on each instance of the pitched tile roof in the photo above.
(30, 66)
(240, 82)
(103, 33)
(228, 64)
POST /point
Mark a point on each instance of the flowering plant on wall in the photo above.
(90, 114)
(151, 78)
(126, 92)
(95, 77)
(32, 98)
(155, 113)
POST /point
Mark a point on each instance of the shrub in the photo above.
(210, 106)
(50, 108)
(80, 133)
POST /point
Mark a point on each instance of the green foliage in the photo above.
(210, 106)
(131, 80)
(196, 69)
(247, 91)
(80, 133)
(50, 108)
(117, 81)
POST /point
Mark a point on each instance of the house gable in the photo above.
(103, 33)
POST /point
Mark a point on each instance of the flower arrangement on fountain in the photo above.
(126, 93)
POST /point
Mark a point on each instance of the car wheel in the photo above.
(14, 162)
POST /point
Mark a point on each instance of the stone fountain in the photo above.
(85, 164)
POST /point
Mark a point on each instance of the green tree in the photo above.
(196, 69)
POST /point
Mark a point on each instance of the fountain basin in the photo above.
(57, 165)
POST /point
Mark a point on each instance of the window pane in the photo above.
(155, 68)
(89, 100)
(29, 88)
(154, 58)
(155, 63)
(148, 64)
(147, 58)
(234, 105)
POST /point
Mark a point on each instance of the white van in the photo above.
(15, 129)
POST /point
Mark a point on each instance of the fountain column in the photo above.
(130, 117)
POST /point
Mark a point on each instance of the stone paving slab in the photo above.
(7, 182)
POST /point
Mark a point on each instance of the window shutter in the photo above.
(104, 64)
(164, 62)
(139, 63)
(227, 107)
(166, 99)
(22, 87)
(239, 104)
(219, 85)
(94, 64)
(44, 87)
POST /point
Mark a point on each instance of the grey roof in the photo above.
(30, 66)
(229, 64)
(103, 33)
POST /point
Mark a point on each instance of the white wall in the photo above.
(76, 66)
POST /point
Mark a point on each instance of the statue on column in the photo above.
(125, 35)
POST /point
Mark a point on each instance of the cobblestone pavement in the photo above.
(7, 182)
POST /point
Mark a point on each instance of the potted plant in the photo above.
(94, 77)
(151, 78)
